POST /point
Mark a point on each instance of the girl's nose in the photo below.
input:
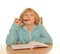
(28, 16)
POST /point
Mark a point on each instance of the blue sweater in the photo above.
(20, 34)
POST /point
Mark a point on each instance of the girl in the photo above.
(27, 28)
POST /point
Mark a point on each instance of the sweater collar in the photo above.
(27, 30)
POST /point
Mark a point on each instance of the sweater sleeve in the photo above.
(46, 38)
(12, 37)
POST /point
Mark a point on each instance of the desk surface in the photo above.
(9, 50)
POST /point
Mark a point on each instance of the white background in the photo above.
(48, 9)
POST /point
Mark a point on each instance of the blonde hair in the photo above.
(37, 18)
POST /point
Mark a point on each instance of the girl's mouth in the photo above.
(26, 20)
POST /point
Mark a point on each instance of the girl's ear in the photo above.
(41, 21)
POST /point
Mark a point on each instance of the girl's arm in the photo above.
(46, 38)
(12, 37)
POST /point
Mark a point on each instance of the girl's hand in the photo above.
(18, 21)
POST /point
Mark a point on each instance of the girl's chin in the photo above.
(28, 24)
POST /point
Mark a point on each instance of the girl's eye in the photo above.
(28, 15)
(31, 14)
(25, 15)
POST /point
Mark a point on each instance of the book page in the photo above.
(37, 44)
(32, 44)
(20, 46)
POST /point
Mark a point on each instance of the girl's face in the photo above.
(28, 18)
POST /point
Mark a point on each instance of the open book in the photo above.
(33, 44)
